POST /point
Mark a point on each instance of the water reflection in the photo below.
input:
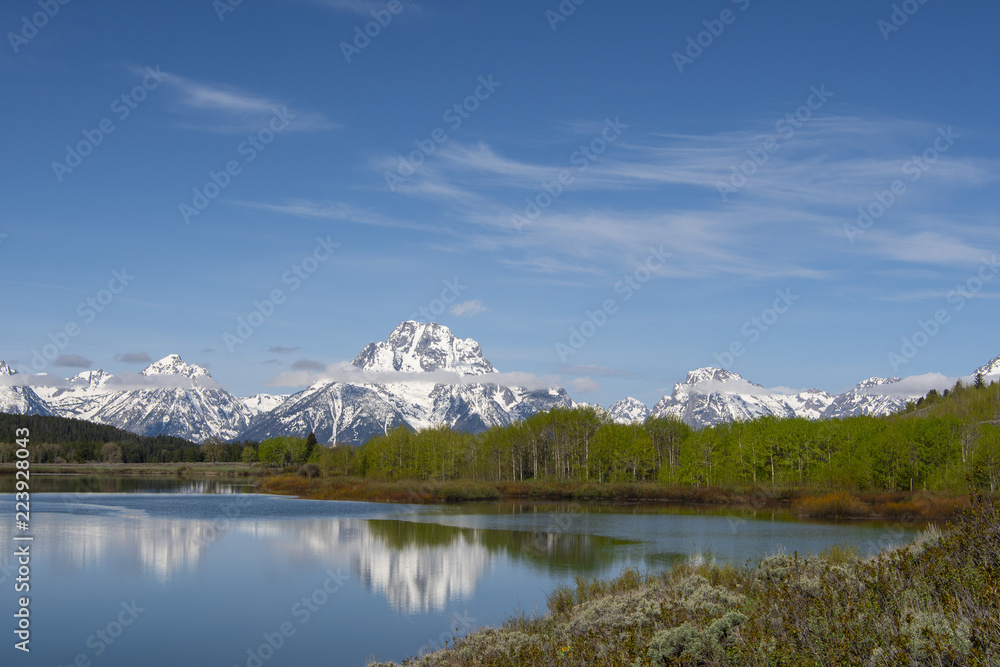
(58, 483)
(416, 567)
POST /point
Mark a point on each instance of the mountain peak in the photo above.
(628, 411)
(415, 347)
(875, 382)
(172, 364)
(990, 368)
(5, 369)
(711, 374)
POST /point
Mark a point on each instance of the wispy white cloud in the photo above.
(218, 107)
(802, 196)
(349, 373)
(915, 385)
(584, 385)
(468, 308)
(598, 371)
(338, 212)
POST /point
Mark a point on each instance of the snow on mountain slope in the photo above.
(868, 397)
(258, 403)
(628, 411)
(81, 398)
(811, 403)
(352, 412)
(19, 399)
(990, 371)
(418, 347)
(169, 397)
(710, 396)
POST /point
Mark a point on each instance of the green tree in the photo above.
(278, 451)
(249, 455)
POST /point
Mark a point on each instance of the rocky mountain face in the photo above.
(169, 397)
(421, 376)
(18, 399)
(456, 390)
(628, 411)
(866, 399)
(990, 371)
(710, 396)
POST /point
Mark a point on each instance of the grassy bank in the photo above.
(815, 503)
(934, 602)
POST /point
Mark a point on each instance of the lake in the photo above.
(170, 572)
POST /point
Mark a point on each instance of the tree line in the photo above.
(939, 443)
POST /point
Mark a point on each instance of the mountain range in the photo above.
(421, 376)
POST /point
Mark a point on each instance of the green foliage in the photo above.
(937, 446)
(283, 450)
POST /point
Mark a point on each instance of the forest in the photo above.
(938, 444)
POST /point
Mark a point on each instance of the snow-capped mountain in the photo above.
(990, 369)
(810, 404)
(19, 399)
(354, 411)
(628, 411)
(710, 396)
(418, 347)
(421, 376)
(81, 398)
(865, 399)
(258, 403)
(170, 397)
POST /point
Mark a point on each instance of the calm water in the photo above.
(172, 573)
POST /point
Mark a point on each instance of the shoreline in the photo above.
(932, 601)
(803, 501)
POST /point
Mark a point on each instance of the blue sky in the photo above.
(662, 178)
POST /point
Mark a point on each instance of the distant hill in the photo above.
(965, 401)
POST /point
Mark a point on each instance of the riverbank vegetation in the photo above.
(933, 602)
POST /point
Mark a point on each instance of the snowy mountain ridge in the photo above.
(421, 376)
